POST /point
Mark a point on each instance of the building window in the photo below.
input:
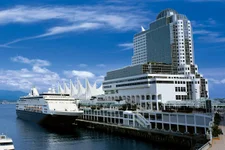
(153, 97)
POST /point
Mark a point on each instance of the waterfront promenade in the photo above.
(220, 144)
(173, 139)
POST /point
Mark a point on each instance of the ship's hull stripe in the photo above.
(46, 119)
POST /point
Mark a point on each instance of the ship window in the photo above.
(8, 143)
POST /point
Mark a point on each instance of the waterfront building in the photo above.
(168, 40)
(160, 88)
(163, 67)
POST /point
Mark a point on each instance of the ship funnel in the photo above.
(34, 92)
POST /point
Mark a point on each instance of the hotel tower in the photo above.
(163, 67)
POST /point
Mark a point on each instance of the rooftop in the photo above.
(166, 12)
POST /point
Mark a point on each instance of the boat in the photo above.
(6, 143)
(49, 109)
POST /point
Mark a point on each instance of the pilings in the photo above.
(175, 140)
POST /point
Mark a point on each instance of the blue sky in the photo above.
(46, 41)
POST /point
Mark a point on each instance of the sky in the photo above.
(43, 42)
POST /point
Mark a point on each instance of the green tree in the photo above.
(216, 131)
(217, 119)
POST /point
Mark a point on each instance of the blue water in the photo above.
(30, 136)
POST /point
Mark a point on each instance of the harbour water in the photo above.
(30, 136)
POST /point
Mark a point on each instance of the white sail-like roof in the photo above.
(80, 89)
(66, 89)
(89, 90)
(73, 90)
(100, 90)
(95, 85)
(79, 92)
(60, 89)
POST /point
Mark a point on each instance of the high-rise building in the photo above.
(162, 67)
(168, 40)
(160, 84)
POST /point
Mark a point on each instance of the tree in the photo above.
(134, 106)
(217, 119)
(216, 131)
(124, 107)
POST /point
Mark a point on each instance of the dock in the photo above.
(173, 139)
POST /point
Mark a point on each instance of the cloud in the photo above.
(38, 69)
(201, 32)
(71, 28)
(205, 31)
(213, 72)
(36, 62)
(210, 22)
(38, 75)
(126, 46)
(79, 18)
(209, 36)
(82, 65)
(58, 30)
(99, 79)
(24, 79)
(214, 75)
(101, 65)
(79, 74)
(5, 46)
(216, 81)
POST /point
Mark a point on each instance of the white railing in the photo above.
(205, 147)
(141, 120)
(141, 123)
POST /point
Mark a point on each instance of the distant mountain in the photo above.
(11, 95)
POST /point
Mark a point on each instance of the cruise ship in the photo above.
(55, 108)
(6, 143)
(162, 88)
(50, 108)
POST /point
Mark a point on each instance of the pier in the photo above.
(172, 139)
